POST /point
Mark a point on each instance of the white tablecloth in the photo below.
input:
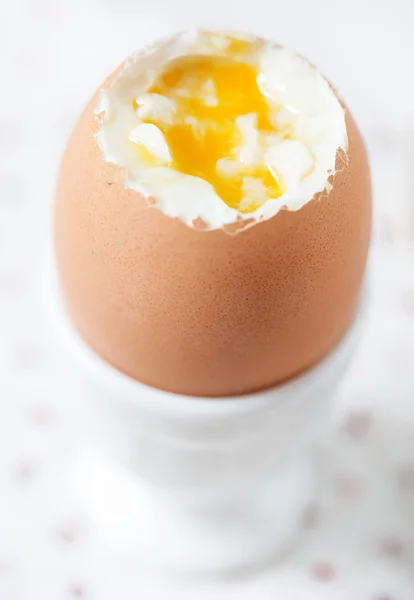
(359, 539)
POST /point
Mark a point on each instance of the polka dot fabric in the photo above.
(358, 537)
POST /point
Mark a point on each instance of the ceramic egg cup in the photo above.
(219, 484)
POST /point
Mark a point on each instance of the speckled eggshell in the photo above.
(206, 313)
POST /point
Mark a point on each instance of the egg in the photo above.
(213, 216)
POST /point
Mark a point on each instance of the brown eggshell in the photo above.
(207, 313)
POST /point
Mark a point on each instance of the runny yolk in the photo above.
(210, 93)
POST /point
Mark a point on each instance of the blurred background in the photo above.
(359, 540)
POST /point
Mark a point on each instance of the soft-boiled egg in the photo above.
(213, 216)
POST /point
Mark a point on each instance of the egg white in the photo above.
(303, 100)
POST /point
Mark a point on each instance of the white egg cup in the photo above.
(216, 484)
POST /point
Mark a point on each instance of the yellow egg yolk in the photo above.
(209, 94)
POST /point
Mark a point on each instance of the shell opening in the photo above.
(221, 128)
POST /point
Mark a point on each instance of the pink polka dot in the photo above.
(70, 532)
(358, 424)
(383, 597)
(311, 516)
(40, 415)
(387, 233)
(77, 591)
(323, 571)
(5, 566)
(26, 470)
(44, 10)
(392, 547)
(408, 301)
(67, 535)
(405, 478)
(348, 486)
